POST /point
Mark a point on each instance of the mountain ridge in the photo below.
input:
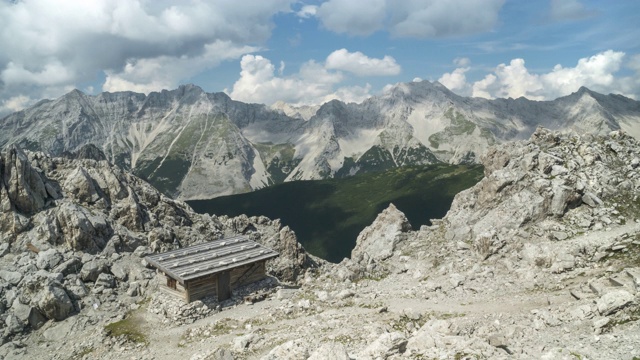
(196, 145)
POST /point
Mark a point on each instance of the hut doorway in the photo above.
(224, 285)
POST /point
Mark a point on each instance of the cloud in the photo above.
(410, 18)
(14, 103)
(513, 80)
(568, 10)
(598, 73)
(353, 17)
(456, 81)
(462, 61)
(313, 84)
(362, 65)
(50, 46)
(307, 11)
(165, 72)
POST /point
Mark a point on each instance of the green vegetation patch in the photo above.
(279, 160)
(459, 125)
(328, 215)
(130, 328)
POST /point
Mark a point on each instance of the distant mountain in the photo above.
(196, 145)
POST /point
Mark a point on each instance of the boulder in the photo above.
(244, 342)
(107, 281)
(48, 259)
(120, 269)
(28, 314)
(591, 199)
(217, 354)
(25, 186)
(83, 229)
(54, 303)
(385, 346)
(72, 265)
(134, 289)
(92, 269)
(293, 259)
(330, 351)
(76, 289)
(378, 241)
(613, 301)
(13, 325)
(11, 277)
(82, 187)
(4, 249)
(290, 350)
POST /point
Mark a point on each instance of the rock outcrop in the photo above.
(542, 179)
(545, 266)
(73, 231)
(379, 240)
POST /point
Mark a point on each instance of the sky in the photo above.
(309, 52)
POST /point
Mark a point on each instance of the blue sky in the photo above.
(308, 52)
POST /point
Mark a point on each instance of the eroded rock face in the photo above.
(378, 241)
(544, 177)
(25, 186)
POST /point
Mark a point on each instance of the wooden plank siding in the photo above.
(205, 286)
(201, 287)
(248, 274)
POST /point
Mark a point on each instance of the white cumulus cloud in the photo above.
(48, 46)
(362, 65)
(313, 84)
(598, 72)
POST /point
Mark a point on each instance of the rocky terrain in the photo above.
(540, 260)
(190, 144)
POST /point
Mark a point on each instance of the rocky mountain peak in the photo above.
(195, 145)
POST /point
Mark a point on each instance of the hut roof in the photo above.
(210, 258)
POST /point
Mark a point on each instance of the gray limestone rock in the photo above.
(330, 351)
(54, 303)
(76, 289)
(48, 259)
(13, 325)
(613, 301)
(378, 241)
(290, 350)
(25, 186)
(73, 265)
(107, 281)
(92, 269)
(385, 346)
(11, 277)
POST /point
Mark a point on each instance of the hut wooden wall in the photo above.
(201, 287)
(248, 274)
(179, 291)
(208, 285)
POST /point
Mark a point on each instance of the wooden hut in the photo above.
(213, 268)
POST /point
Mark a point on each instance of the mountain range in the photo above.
(196, 145)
